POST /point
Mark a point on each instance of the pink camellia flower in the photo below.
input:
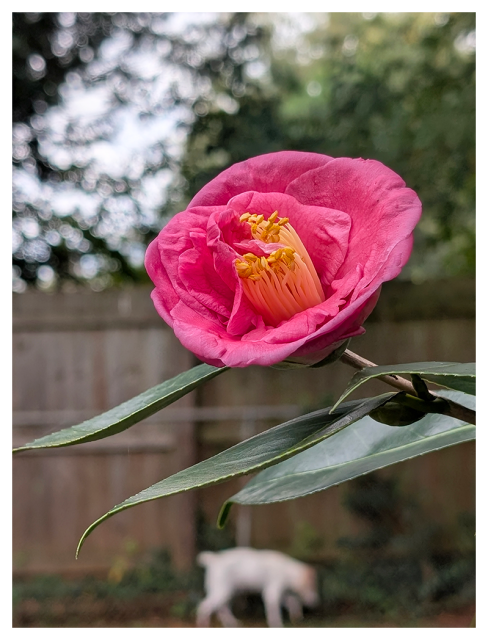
(281, 257)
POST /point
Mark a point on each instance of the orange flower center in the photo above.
(283, 283)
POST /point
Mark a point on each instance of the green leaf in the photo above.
(453, 375)
(364, 447)
(260, 451)
(128, 413)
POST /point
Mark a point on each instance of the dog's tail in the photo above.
(205, 558)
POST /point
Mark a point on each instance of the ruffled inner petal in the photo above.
(223, 231)
(187, 264)
(198, 276)
(323, 231)
(383, 213)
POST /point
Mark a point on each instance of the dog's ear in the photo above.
(205, 558)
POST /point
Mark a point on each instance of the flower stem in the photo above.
(455, 410)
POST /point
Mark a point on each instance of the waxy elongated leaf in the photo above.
(364, 447)
(128, 413)
(260, 451)
(453, 375)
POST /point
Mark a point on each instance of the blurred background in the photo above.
(118, 120)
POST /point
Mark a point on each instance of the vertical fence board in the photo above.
(78, 359)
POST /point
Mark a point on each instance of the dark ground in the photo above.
(163, 610)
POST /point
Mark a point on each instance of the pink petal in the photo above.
(200, 280)
(223, 228)
(383, 212)
(268, 172)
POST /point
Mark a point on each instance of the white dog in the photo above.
(281, 580)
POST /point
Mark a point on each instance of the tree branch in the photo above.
(455, 410)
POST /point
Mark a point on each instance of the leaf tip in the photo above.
(93, 526)
(334, 407)
(80, 544)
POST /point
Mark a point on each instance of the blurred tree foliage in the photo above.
(127, 86)
(395, 87)
(45, 48)
(399, 88)
(402, 87)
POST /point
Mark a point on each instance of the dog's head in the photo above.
(308, 587)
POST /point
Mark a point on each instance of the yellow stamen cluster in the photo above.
(252, 265)
(265, 230)
(284, 282)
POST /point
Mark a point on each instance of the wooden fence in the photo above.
(76, 355)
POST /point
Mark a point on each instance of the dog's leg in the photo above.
(214, 602)
(227, 618)
(205, 609)
(272, 605)
(294, 606)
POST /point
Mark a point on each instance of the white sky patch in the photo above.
(69, 200)
(226, 103)
(288, 28)
(64, 199)
(145, 65)
(76, 134)
(133, 137)
(27, 187)
(178, 22)
(83, 104)
(119, 42)
(153, 192)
